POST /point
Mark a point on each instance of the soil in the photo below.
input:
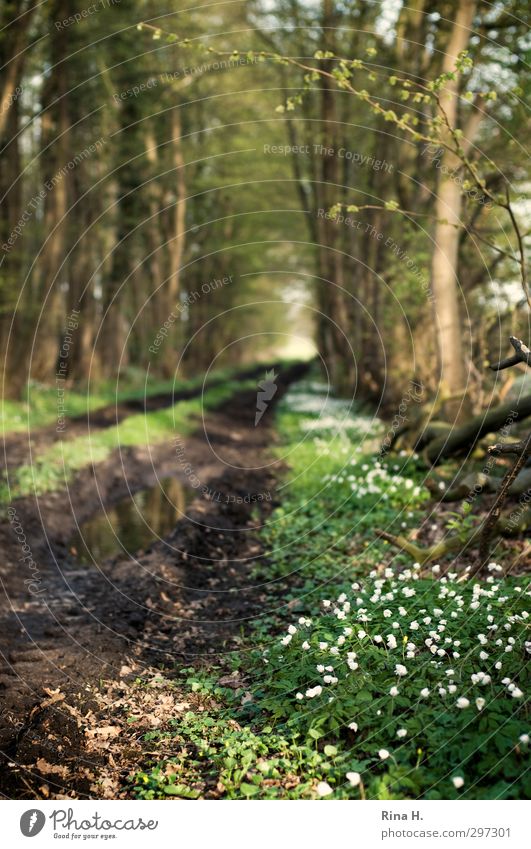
(184, 598)
(19, 447)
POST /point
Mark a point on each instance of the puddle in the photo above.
(133, 523)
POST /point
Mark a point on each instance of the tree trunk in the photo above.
(448, 205)
(55, 156)
(15, 20)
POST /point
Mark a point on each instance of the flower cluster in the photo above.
(402, 652)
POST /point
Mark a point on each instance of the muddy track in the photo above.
(185, 597)
(19, 447)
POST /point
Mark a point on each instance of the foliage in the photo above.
(371, 681)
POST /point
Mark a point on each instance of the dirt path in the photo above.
(21, 446)
(183, 598)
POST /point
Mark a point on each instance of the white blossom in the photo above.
(354, 778)
(324, 789)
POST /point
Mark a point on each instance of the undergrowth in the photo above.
(362, 680)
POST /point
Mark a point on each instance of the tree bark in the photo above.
(465, 437)
(448, 207)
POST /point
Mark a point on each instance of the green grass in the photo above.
(54, 468)
(289, 732)
(39, 407)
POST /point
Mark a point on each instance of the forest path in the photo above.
(182, 598)
(20, 446)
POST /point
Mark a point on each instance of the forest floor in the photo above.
(115, 620)
(230, 659)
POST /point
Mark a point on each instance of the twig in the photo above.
(507, 448)
(522, 355)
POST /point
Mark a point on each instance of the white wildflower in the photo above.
(354, 778)
(324, 789)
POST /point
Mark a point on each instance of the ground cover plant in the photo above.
(370, 679)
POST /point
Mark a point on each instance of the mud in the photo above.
(185, 598)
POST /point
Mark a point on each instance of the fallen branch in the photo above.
(428, 554)
(506, 525)
(507, 448)
(481, 483)
(467, 435)
(489, 525)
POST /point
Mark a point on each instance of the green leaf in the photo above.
(315, 733)
(249, 789)
(181, 790)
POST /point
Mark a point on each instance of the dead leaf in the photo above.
(104, 732)
(51, 769)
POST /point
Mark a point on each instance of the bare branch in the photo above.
(522, 355)
(507, 448)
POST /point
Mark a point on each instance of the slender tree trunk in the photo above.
(15, 20)
(448, 207)
(334, 324)
(55, 156)
(175, 235)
